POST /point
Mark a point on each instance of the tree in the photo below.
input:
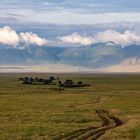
(68, 83)
(80, 83)
(31, 80)
(52, 78)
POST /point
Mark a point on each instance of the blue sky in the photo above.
(70, 11)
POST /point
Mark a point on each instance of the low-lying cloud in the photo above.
(31, 38)
(123, 39)
(75, 38)
(8, 36)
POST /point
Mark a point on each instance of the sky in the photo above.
(69, 11)
(63, 13)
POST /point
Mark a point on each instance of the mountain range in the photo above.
(97, 56)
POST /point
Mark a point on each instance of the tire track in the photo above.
(93, 133)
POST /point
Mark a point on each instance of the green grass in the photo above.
(39, 112)
(134, 132)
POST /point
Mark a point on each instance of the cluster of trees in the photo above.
(72, 84)
(38, 81)
(51, 81)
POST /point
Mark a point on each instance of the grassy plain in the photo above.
(39, 112)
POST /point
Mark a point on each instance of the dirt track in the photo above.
(93, 133)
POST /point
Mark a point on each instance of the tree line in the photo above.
(38, 81)
(52, 81)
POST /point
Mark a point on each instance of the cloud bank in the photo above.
(123, 39)
(75, 38)
(31, 38)
(8, 36)
(70, 11)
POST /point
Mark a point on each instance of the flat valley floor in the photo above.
(109, 109)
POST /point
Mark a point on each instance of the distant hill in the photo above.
(93, 57)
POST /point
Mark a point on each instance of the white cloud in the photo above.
(122, 39)
(31, 38)
(8, 36)
(75, 38)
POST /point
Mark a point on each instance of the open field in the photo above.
(40, 112)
